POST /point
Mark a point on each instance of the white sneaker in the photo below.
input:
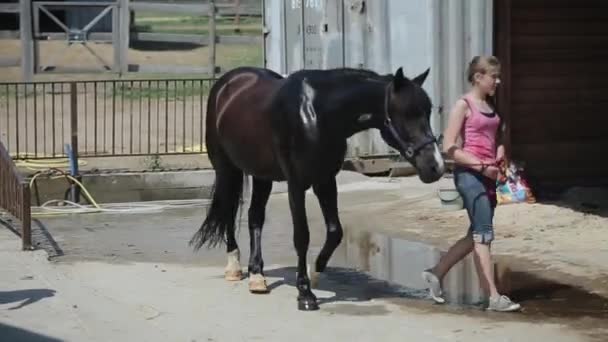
(502, 304)
(434, 286)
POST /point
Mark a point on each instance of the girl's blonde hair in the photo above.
(482, 64)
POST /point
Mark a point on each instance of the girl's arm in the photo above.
(456, 120)
(500, 150)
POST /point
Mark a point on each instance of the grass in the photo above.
(173, 91)
(153, 17)
(200, 30)
(196, 25)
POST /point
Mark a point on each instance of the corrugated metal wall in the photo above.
(382, 35)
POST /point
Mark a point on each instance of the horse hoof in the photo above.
(308, 305)
(233, 275)
(233, 268)
(257, 284)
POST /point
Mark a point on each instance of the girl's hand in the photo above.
(491, 172)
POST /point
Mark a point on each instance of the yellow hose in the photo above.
(82, 187)
(86, 192)
(52, 162)
(194, 148)
(43, 164)
(49, 161)
(96, 208)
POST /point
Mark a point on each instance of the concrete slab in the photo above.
(131, 187)
(99, 301)
(131, 268)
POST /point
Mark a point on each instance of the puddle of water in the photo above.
(401, 262)
(542, 297)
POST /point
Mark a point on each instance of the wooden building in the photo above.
(555, 56)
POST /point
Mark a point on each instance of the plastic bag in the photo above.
(513, 188)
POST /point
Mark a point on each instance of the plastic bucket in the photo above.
(450, 199)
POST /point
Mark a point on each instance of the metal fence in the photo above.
(15, 196)
(103, 118)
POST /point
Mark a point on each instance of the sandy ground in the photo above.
(112, 284)
(569, 236)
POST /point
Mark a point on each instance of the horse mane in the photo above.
(350, 74)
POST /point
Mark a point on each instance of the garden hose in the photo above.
(47, 209)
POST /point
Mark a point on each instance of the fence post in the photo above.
(212, 37)
(74, 116)
(27, 40)
(73, 151)
(124, 29)
(237, 17)
(26, 218)
(116, 44)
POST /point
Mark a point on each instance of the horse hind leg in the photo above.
(221, 216)
(307, 301)
(327, 194)
(233, 270)
(257, 215)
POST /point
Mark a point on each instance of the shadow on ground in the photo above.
(10, 333)
(348, 285)
(584, 199)
(26, 297)
(541, 297)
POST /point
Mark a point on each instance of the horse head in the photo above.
(407, 125)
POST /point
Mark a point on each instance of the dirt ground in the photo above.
(59, 54)
(113, 118)
(566, 239)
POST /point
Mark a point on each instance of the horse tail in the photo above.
(227, 189)
(221, 216)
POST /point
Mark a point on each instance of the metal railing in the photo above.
(15, 196)
(103, 118)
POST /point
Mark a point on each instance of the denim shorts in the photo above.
(479, 198)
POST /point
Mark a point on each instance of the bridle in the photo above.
(408, 149)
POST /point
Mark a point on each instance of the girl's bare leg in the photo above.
(456, 253)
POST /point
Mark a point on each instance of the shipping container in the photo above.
(382, 36)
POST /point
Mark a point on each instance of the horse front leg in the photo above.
(307, 301)
(327, 194)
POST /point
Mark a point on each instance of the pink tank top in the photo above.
(479, 133)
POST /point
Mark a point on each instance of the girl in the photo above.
(477, 168)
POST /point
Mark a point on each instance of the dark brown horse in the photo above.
(295, 129)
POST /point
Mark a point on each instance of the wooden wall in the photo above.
(555, 90)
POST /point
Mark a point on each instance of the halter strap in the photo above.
(408, 149)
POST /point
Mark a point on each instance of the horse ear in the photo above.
(419, 80)
(399, 80)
